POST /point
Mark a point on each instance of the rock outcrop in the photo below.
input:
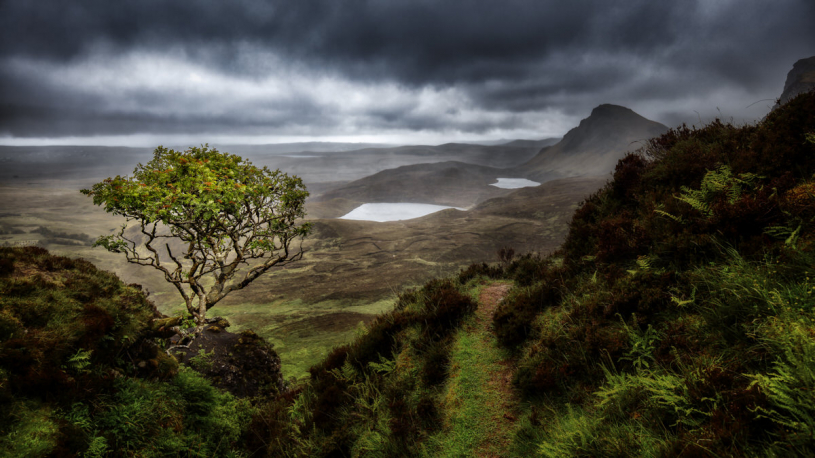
(242, 363)
(799, 80)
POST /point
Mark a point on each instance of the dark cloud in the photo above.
(503, 60)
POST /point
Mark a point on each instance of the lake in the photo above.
(382, 212)
(514, 183)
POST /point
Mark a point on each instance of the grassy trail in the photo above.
(480, 400)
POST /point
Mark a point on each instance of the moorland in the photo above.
(352, 270)
(664, 309)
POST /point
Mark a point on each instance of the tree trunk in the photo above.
(201, 316)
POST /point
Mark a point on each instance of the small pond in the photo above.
(514, 183)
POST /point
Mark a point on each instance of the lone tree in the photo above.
(220, 213)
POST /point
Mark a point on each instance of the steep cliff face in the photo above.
(799, 80)
(594, 146)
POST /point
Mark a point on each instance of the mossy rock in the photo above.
(242, 363)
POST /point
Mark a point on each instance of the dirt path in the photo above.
(488, 301)
(503, 414)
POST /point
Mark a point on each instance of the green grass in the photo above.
(474, 409)
(303, 334)
(34, 433)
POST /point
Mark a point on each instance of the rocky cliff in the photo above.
(799, 80)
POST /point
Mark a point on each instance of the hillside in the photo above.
(533, 143)
(353, 165)
(675, 321)
(83, 368)
(594, 146)
(443, 183)
(590, 149)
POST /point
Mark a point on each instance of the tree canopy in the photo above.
(203, 213)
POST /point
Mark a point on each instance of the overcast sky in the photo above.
(409, 71)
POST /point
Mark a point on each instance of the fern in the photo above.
(300, 411)
(791, 386)
(714, 184)
(371, 408)
(789, 235)
(643, 264)
(384, 366)
(659, 210)
(642, 343)
(659, 391)
(97, 448)
(682, 303)
(696, 200)
(575, 430)
(79, 361)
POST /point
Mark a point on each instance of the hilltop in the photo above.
(595, 145)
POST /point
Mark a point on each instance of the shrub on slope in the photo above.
(677, 320)
(379, 395)
(81, 375)
(686, 319)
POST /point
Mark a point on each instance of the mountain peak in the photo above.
(609, 124)
(594, 146)
(608, 108)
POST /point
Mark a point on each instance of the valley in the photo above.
(353, 269)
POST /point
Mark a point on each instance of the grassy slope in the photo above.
(82, 373)
(677, 320)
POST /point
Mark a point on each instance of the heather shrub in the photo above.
(480, 270)
(513, 319)
(70, 336)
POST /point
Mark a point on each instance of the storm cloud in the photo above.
(389, 69)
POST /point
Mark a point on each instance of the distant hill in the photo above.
(504, 155)
(594, 146)
(315, 162)
(533, 143)
(353, 165)
(442, 183)
(298, 147)
(72, 162)
(590, 149)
